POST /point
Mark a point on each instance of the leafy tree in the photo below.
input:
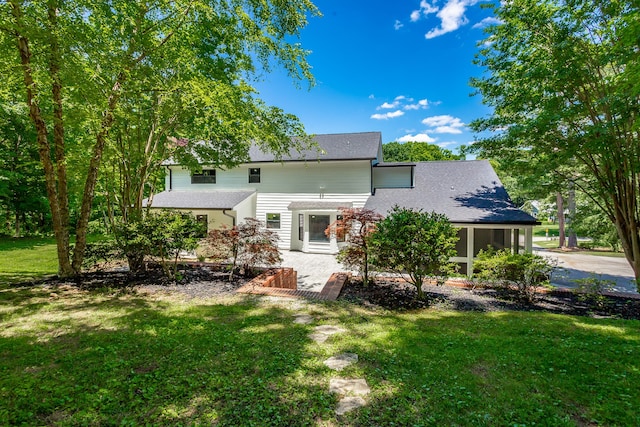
(562, 78)
(80, 60)
(22, 193)
(415, 243)
(355, 225)
(248, 244)
(412, 151)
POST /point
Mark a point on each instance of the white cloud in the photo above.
(388, 106)
(420, 137)
(423, 104)
(451, 16)
(444, 124)
(401, 98)
(447, 129)
(397, 25)
(372, 96)
(446, 144)
(486, 22)
(390, 115)
(425, 9)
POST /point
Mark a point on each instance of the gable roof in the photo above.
(216, 200)
(336, 146)
(464, 191)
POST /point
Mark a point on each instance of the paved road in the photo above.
(573, 265)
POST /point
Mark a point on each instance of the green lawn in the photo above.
(71, 357)
(26, 258)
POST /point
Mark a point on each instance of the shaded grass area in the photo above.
(73, 357)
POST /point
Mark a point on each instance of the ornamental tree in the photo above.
(415, 244)
(355, 226)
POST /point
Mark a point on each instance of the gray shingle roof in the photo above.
(337, 146)
(465, 191)
(199, 199)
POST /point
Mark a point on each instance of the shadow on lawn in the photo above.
(501, 368)
(152, 363)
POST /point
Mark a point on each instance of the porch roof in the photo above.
(214, 200)
(318, 205)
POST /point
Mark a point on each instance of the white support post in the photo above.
(470, 244)
(528, 238)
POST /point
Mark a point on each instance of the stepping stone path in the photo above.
(323, 332)
(351, 390)
(341, 361)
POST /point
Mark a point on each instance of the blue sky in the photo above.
(401, 67)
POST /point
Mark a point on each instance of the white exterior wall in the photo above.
(353, 176)
(279, 203)
(395, 177)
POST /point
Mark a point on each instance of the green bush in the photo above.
(524, 272)
(592, 288)
(415, 244)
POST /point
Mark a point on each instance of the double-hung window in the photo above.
(207, 176)
(254, 175)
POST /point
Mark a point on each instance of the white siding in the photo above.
(352, 177)
(279, 203)
(395, 177)
(246, 208)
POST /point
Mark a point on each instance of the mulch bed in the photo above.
(392, 295)
(207, 282)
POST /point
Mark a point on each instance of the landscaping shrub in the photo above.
(248, 244)
(415, 244)
(524, 272)
(592, 288)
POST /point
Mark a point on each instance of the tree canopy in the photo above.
(184, 68)
(562, 78)
(412, 151)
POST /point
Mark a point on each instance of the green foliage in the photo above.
(153, 72)
(525, 272)
(561, 80)
(248, 244)
(411, 151)
(592, 288)
(592, 222)
(418, 244)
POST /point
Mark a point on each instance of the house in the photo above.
(300, 195)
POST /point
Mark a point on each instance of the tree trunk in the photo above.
(60, 228)
(573, 238)
(92, 174)
(560, 205)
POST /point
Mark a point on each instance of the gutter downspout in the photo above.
(233, 218)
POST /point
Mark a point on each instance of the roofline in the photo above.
(496, 222)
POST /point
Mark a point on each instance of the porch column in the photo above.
(515, 241)
(528, 238)
(470, 236)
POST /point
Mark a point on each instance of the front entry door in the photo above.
(317, 225)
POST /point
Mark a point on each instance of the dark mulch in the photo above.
(391, 295)
(194, 282)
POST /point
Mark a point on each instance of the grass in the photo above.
(27, 258)
(110, 358)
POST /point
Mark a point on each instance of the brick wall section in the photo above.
(334, 285)
(285, 278)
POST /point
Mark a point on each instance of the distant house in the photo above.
(299, 196)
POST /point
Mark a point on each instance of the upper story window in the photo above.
(208, 176)
(254, 175)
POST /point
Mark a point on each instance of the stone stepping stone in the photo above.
(341, 361)
(349, 386)
(303, 319)
(323, 332)
(349, 403)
